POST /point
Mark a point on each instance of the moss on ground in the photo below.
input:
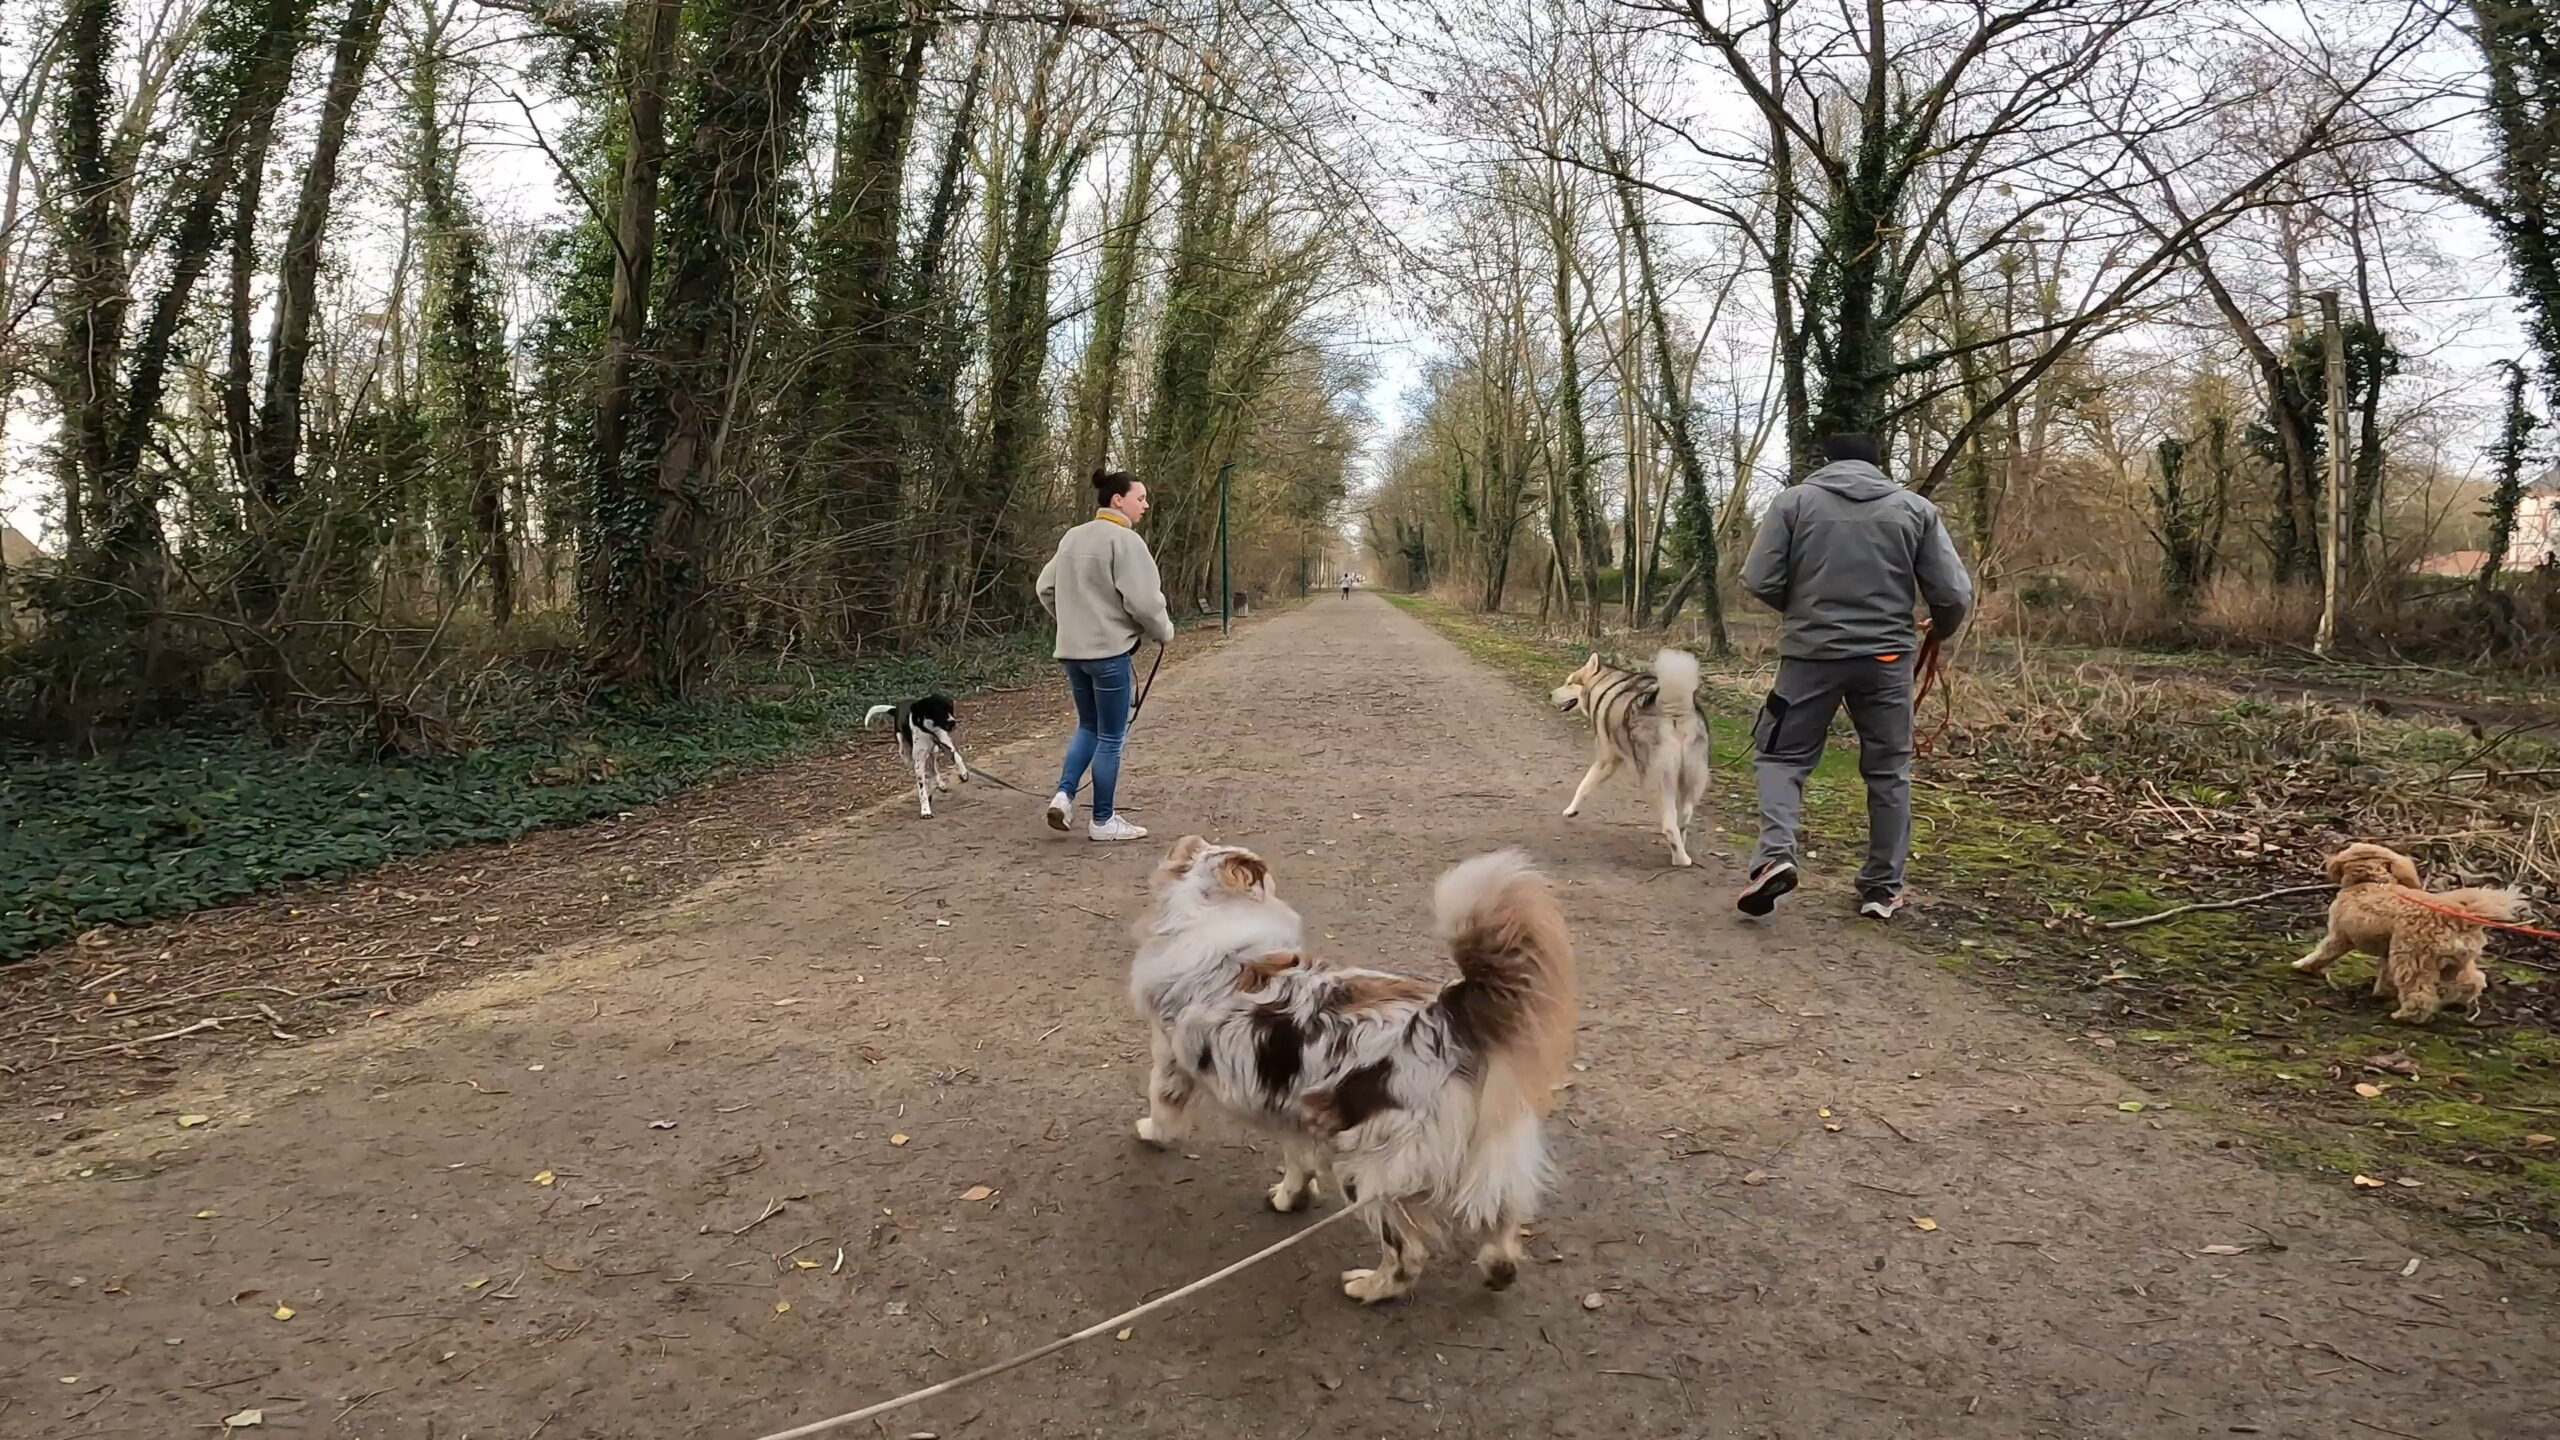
(2204, 1006)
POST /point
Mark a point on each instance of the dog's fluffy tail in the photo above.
(869, 717)
(1676, 671)
(2501, 905)
(1515, 1006)
(1516, 999)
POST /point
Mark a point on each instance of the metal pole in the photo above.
(2332, 552)
(1226, 583)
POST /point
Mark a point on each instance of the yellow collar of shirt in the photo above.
(1114, 516)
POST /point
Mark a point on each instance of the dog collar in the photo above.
(1114, 516)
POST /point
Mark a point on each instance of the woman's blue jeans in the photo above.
(1102, 690)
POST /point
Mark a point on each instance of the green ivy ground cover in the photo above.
(183, 819)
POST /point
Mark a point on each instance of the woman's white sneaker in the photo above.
(1061, 807)
(1116, 828)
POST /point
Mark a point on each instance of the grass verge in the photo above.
(2025, 846)
(182, 819)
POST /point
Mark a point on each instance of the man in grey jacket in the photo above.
(1847, 556)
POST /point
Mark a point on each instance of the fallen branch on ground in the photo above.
(2140, 920)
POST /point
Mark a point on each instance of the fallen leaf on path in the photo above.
(545, 1178)
(2368, 1090)
(244, 1419)
(189, 1122)
(897, 1139)
(1923, 1222)
(207, 1214)
(474, 1284)
(1755, 1177)
(284, 1312)
(1594, 1300)
(895, 1307)
(2131, 1107)
(2226, 1250)
(805, 1264)
(781, 1307)
(2409, 1269)
(70, 1379)
(1125, 1334)
(1825, 1114)
(2367, 1182)
(2540, 1142)
(1832, 1125)
(2406, 1182)
(662, 1124)
(976, 1192)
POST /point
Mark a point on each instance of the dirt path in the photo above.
(545, 1207)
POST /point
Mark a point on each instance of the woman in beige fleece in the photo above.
(1103, 588)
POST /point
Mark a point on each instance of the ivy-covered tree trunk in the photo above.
(2507, 459)
(105, 606)
(464, 362)
(741, 110)
(615, 538)
(276, 511)
(2517, 40)
(1571, 432)
(1693, 514)
(861, 395)
(1179, 446)
(1099, 381)
(1045, 164)
(90, 240)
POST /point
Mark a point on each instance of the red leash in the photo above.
(2418, 898)
(1930, 664)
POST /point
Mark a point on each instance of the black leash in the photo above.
(1136, 708)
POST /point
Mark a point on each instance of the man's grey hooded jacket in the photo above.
(1847, 556)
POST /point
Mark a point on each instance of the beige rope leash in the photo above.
(820, 1427)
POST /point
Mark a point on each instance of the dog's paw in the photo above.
(1372, 1287)
(1148, 1132)
(2308, 965)
(2407, 1016)
(1498, 1274)
(1572, 810)
(1287, 1198)
(1681, 861)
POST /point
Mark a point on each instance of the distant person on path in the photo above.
(1847, 557)
(1103, 588)
(1346, 584)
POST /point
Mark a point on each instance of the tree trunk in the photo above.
(859, 444)
(275, 435)
(465, 339)
(616, 535)
(742, 112)
(1694, 517)
(1576, 477)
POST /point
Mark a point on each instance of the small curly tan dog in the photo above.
(2426, 956)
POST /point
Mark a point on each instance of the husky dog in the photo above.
(924, 730)
(1427, 1095)
(1648, 721)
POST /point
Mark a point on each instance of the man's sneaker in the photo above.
(1767, 883)
(1876, 905)
(1061, 806)
(1116, 828)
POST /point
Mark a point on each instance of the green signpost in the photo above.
(1226, 576)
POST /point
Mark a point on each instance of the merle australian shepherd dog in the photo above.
(924, 731)
(1425, 1095)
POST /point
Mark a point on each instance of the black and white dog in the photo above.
(924, 731)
